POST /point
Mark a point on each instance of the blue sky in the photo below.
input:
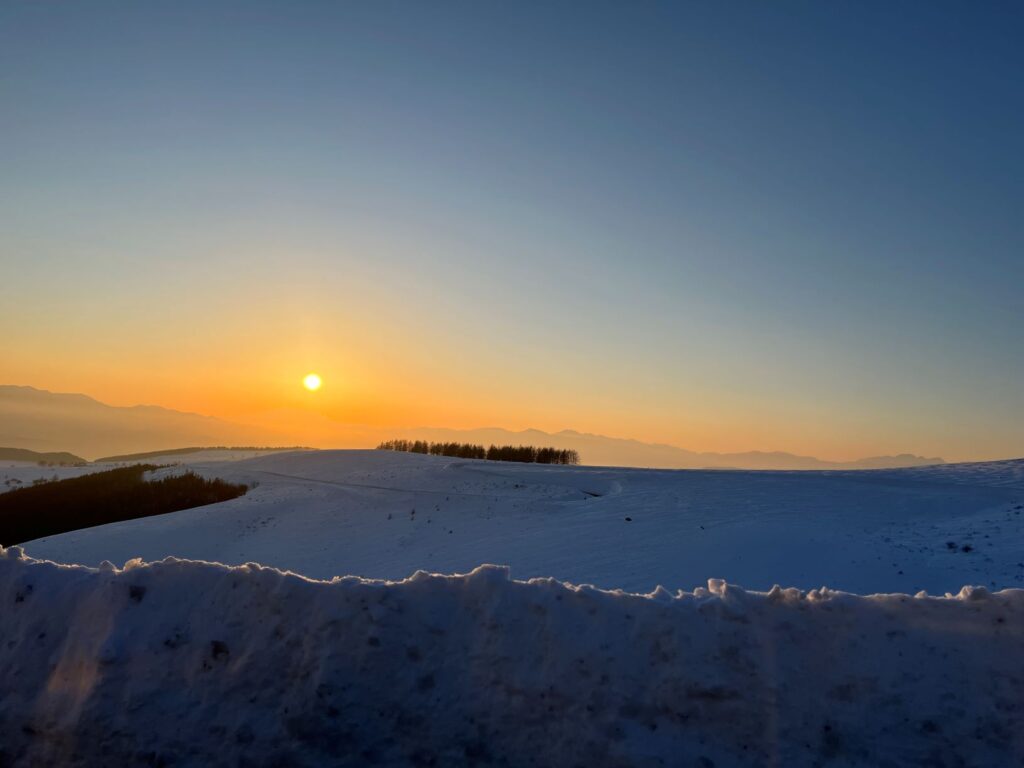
(799, 222)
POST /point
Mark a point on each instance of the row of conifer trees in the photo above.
(524, 453)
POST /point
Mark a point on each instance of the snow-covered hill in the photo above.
(385, 515)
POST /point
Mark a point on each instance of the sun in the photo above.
(312, 382)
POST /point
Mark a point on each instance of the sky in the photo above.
(725, 226)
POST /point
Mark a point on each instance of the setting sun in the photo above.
(692, 294)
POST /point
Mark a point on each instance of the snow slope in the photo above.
(186, 663)
(16, 474)
(385, 515)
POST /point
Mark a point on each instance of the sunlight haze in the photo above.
(739, 236)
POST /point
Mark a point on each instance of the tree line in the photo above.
(528, 454)
(49, 508)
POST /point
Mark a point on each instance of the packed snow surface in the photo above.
(188, 663)
(385, 515)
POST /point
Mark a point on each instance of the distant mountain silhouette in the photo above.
(613, 451)
(47, 421)
(55, 457)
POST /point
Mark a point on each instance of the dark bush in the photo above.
(100, 498)
(522, 453)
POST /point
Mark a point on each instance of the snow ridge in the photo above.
(190, 663)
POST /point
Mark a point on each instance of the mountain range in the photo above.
(48, 421)
(613, 451)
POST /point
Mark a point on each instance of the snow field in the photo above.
(385, 515)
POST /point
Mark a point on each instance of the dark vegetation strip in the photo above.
(100, 498)
(60, 458)
(196, 449)
(528, 454)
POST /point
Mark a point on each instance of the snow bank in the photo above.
(190, 663)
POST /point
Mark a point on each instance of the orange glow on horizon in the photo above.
(390, 377)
